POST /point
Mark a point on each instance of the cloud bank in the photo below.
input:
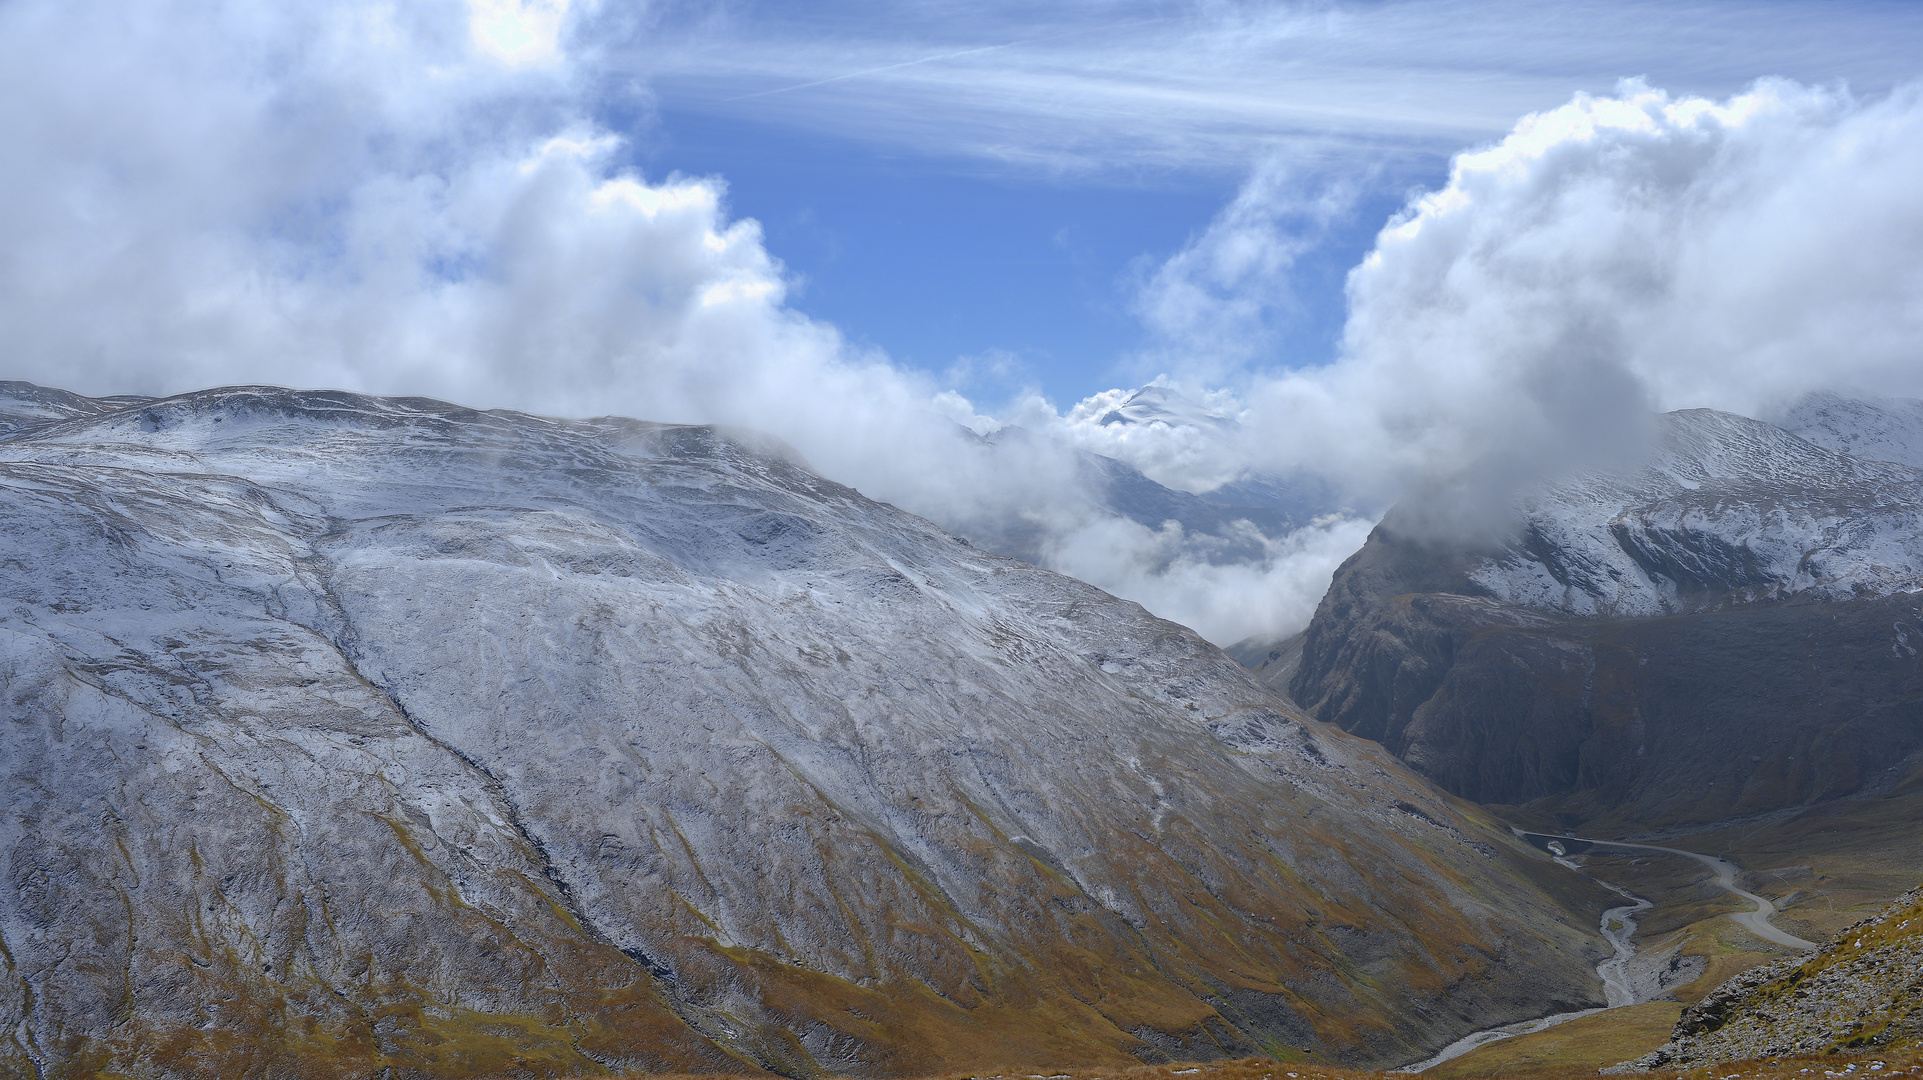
(393, 200)
(1612, 256)
(417, 200)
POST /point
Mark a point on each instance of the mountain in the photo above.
(1164, 405)
(1729, 629)
(1297, 498)
(1868, 427)
(1274, 661)
(1230, 523)
(24, 404)
(347, 736)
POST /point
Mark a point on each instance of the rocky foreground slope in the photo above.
(1861, 993)
(1731, 629)
(346, 735)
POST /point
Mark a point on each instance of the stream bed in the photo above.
(1618, 928)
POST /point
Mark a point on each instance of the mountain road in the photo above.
(1756, 922)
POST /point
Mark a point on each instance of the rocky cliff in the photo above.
(346, 735)
(1729, 629)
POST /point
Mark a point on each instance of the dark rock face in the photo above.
(1667, 653)
(1683, 719)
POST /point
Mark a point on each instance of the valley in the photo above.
(1707, 655)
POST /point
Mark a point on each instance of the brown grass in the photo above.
(1579, 1046)
(1907, 1064)
(1578, 1062)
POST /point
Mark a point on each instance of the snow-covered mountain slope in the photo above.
(1731, 511)
(22, 404)
(1862, 426)
(1728, 630)
(1160, 404)
(346, 734)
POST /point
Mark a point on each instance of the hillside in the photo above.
(1726, 631)
(350, 734)
(1861, 993)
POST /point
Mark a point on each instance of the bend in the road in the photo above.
(1756, 922)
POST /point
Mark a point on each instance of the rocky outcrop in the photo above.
(1861, 993)
(345, 735)
(1729, 631)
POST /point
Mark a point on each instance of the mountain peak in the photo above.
(1165, 405)
(1862, 425)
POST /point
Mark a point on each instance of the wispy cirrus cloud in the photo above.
(1139, 85)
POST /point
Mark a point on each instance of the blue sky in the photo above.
(936, 260)
(991, 182)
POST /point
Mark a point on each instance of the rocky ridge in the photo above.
(1731, 511)
(1727, 629)
(347, 734)
(1861, 993)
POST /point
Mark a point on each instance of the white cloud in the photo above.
(368, 197)
(1633, 251)
(1219, 304)
(1610, 256)
(518, 33)
(412, 200)
(1147, 87)
(1169, 572)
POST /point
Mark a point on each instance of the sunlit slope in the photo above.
(347, 733)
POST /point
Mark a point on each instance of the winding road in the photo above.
(1614, 971)
(1756, 922)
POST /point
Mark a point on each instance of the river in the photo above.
(1619, 929)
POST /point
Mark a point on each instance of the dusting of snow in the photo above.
(1868, 427)
(1730, 511)
(660, 678)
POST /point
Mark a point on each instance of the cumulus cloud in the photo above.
(1609, 257)
(395, 200)
(1638, 250)
(1170, 572)
(416, 200)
